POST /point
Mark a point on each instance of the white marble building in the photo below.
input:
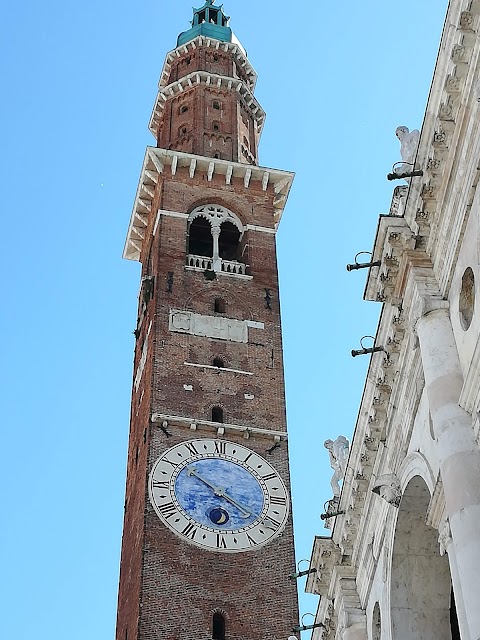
(403, 559)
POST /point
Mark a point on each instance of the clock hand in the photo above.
(193, 472)
(220, 492)
(246, 513)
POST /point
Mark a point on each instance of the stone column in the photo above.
(217, 262)
(458, 453)
(445, 542)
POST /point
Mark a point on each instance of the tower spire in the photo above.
(209, 21)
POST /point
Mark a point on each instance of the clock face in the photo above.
(218, 495)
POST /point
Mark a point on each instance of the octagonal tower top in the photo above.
(208, 21)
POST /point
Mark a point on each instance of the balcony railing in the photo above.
(203, 263)
(199, 262)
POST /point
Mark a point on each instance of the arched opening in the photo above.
(228, 241)
(216, 105)
(217, 414)
(466, 302)
(219, 305)
(218, 362)
(200, 240)
(218, 627)
(421, 587)
(376, 623)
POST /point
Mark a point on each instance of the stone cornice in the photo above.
(325, 556)
(208, 79)
(220, 428)
(216, 45)
(159, 161)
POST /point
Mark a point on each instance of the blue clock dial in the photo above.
(219, 492)
(218, 495)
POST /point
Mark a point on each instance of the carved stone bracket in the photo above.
(325, 555)
(388, 487)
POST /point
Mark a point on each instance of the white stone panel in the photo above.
(217, 327)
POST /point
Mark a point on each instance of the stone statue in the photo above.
(338, 451)
(408, 148)
(388, 488)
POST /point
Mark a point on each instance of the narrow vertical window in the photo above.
(217, 416)
(219, 306)
(218, 627)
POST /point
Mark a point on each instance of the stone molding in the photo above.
(190, 46)
(220, 428)
(161, 162)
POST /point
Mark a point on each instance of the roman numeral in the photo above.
(248, 457)
(190, 531)
(167, 510)
(174, 464)
(250, 540)
(221, 542)
(191, 448)
(220, 446)
(278, 500)
(160, 485)
(269, 476)
(274, 522)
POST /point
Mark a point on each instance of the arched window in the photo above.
(217, 416)
(200, 240)
(218, 362)
(216, 105)
(216, 126)
(228, 241)
(204, 239)
(218, 627)
(219, 305)
(183, 108)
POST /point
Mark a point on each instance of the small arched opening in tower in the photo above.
(220, 306)
(218, 627)
(218, 362)
(200, 239)
(228, 241)
(217, 416)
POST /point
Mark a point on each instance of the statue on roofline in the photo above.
(338, 451)
(408, 149)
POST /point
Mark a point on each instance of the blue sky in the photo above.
(335, 79)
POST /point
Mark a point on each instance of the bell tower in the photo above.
(208, 542)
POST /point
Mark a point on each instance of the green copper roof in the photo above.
(208, 21)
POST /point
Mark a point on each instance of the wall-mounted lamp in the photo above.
(306, 627)
(299, 574)
(364, 351)
(363, 265)
(405, 173)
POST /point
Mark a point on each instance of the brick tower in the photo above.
(207, 542)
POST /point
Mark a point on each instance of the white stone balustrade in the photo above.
(203, 263)
(199, 262)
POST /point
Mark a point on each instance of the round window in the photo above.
(466, 302)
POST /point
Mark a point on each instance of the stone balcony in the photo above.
(227, 267)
